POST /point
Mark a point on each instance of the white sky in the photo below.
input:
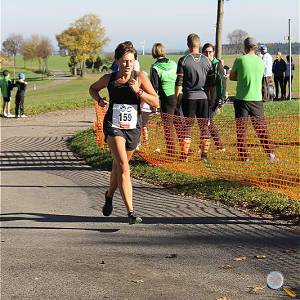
(167, 21)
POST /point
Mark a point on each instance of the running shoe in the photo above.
(107, 207)
(273, 158)
(133, 218)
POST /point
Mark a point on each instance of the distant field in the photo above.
(55, 62)
(74, 94)
(61, 63)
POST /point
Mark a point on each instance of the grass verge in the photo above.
(234, 194)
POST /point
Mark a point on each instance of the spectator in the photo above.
(21, 85)
(248, 70)
(267, 77)
(196, 82)
(289, 67)
(163, 77)
(220, 93)
(278, 69)
(6, 87)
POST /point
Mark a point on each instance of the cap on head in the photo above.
(263, 49)
(250, 42)
(21, 76)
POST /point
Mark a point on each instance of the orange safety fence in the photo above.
(263, 152)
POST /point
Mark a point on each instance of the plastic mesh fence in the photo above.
(236, 150)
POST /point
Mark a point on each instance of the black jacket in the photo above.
(279, 67)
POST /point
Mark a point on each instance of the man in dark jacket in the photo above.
(278, 69)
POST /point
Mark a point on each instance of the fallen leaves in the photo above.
(173, 255)
(227, 267)
(240, 258)
(260, 256)
(255, 289)
(289, 292)
(138, 280)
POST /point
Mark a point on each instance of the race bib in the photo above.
(124, 116)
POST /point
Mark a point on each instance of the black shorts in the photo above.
(6, 99)
(131, 136)
(195, 108)
(243, 109)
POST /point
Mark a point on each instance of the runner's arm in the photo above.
(97, 86)
(144, 90)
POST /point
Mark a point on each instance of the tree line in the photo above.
(82, 41)
(36, 47)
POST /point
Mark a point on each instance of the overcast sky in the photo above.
(167, 21)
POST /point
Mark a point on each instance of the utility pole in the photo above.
(219, 28)
(290, 61)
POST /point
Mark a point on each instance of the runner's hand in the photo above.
(134, 85)
(102, 102)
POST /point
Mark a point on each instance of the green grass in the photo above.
(71, 95)
(229, 193)
(55, 62)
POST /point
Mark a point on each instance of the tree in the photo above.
(37, 47)
(12, 46)
(44, 50)
(219, 28)
(84, 39)
(98, 63)
(28, 49)
(236, 39)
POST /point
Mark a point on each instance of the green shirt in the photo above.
(5, 86)
(219, 81)
(167, 73)
(250, 71)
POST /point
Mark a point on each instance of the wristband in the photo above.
(140, 92)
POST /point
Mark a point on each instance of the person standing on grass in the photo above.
(278, 69)
(122, 123)
(220, 93)
(163, 77)
(267, 78)
(6, 87)
(194, 84)
(248, 71)
(289, 67)
(21, 86)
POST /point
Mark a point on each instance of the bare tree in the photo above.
(236, 39)
(44, 50)
(219, 28)
(12, 46)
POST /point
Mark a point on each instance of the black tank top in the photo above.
(121, 94)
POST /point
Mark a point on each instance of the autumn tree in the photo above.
(44, 50)
(12, 45)
(83, 40)
(236, 39)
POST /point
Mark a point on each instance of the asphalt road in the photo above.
(55, 244)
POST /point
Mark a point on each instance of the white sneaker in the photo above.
(23, 116)
(272, 158)
(4, 114)
(9, 115)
